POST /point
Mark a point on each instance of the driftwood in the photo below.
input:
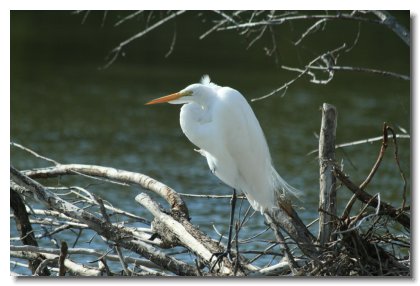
(183, 233)
(175, 201)
(119, 234)
(327, 194)
(132, 245)
(24, 227)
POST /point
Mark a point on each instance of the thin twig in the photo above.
(122, 260)
(364, 141)
(302, 72)
(397, 160)
(57, 164)
(33, 153)
(172, 46)
(257, 37)
(104, 18)
(310, 30)
(44, 264)
(360, 221)
(362, 69)
(265, 251)
(129, 17)
(113, 55)
(378, 161)
(348, 207)
(282, 20)
(280, 238)
(210, 196)
(227, 17)
(215, 27)
(274, 48)
(402, 218)
(85, 16)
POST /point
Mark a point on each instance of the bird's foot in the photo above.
(219, 258)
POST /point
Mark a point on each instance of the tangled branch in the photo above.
(254, 25)
(358, 248)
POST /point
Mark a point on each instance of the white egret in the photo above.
(221, 123)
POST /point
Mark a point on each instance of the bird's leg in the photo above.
(227, 253)
(232, 215)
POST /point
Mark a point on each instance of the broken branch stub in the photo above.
(327, 181)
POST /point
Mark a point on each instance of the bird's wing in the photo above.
(245, 143)
(241, 130)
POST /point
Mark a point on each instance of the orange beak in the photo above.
(166, 98)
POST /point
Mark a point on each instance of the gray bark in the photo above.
(120, 235)
(327, 181)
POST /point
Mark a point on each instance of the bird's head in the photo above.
(197, 92)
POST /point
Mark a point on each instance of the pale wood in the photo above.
(177, 233)
(178, 206)
(75, 268)
(327, 181)
(82, 251)
(24, 184)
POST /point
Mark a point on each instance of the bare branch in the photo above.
(210, 196)
(73, 267)
(402, 218)
(280, 239)
(181, 234)
(117, 234)
(57, 163)
(388, 20)
(364, 141)
(302, 72)
(122, 260)
(175, 201)
(129, 17)
(378, 161)
(171, 48)
(34, 153)
(327, 181)
(310, 30)
(84, 251)
(227, 17)
(43, 265)
(362, 69)
(262, 31)
(214, 28)
(117, 50)
(85, 16)
(24, 227)
(282, 20)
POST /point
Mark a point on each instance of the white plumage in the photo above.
(221, 123)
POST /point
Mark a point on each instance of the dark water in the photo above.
(65, 108)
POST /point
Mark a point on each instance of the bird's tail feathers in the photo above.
(283, 188)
